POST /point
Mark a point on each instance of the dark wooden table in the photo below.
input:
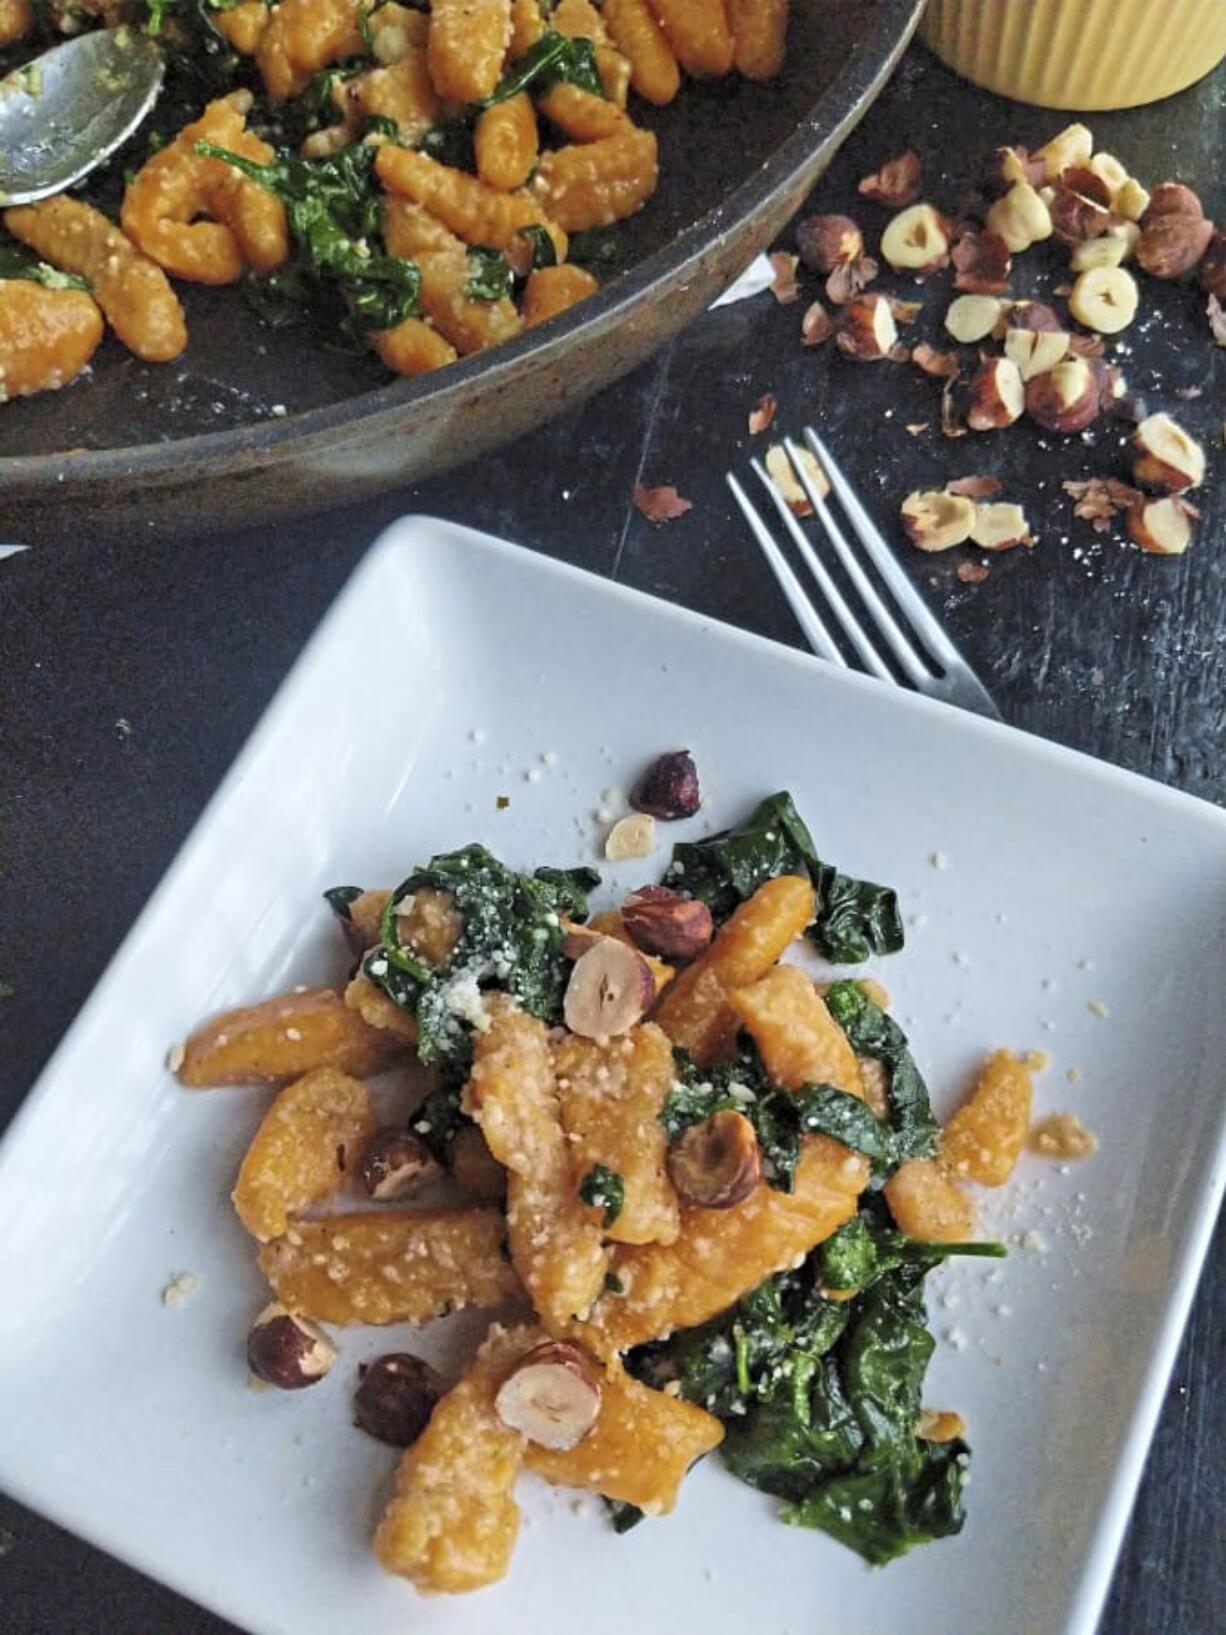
(132, 675)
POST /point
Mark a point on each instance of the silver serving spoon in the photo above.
(64, 113)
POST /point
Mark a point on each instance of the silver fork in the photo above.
(913, 637)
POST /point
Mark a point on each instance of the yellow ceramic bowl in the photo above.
(1079, 53)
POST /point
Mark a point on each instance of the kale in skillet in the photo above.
(854, 919)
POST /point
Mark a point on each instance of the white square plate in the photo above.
(1056, 903)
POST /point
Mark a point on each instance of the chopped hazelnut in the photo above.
(972, 317)
(982, 263)
(783, 474)
(867, 332)
(937, 521)
(1174, 231)
(1110, 172)
(552, 1395)
(1035, 315)
(1161, 526)
(716, 1163)
(1066, 398)
(1081, 207)
(1166, 456)
(663, 923)
(631, 837)
(1073, 146)
(1213, 266)
(1035, 351)
(611, 988)
(1105, 299)
(396, 1164)
(1112, 249)
(995, 395)
(1021, 218)
(999, 527)
(827, 242)
(668, 789)
(288, 1351)
(1130, 200)
(917, 241)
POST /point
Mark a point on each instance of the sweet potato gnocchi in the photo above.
(509, 125)
(696, 1187)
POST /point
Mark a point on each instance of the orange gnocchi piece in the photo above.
(984, 1139)
(413, 347)
(579, 20)
(580, 114)
(551, 290)
(399, 1266)
(527, 27)
(595, 184)
(313, 1134)
(453, 1522)
(473, 211)
(555, 1239)
(402, 92)
(759, 33)
(371, 1003)
(243, 25)
(303, 36)
(639, 1449)
(654, 71)
(695, 1012)
(614, 71)
(611, 1096)
(175, 188)
(443, 260)
(16, 21)
(795, 1033)
(133, 291)
(699, 34)
(928, 1204)
(467, 47)
(47, 336)
(282, 1038)
(506, 143)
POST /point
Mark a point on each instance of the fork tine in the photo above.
(910, 661)
(908, 598)
(869, 656)
(820, 639)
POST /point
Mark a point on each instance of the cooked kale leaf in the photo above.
(332, 206)
(489, 275)
(544, 250)
(603, 1188)
(868, 1246)
(18, 262)
(854, 919)
(873, 1033)
(338, 899)
(552, 59)
(511, 938)
(883, 1513)
(623, 1516)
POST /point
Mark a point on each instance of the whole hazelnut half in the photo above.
(1066, 398)
(867, 332)
(395, 1398)
(1161, 526)
(1174, 231)
(610, 990)
(1166, 456)
(827, 242)
(668, 789)
(396, 1164)
(663, 923)
(552, 1395)
(287, 1350)
(716, 1163)
(995, 395)
(917, 241)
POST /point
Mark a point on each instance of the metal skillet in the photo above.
(253, 424)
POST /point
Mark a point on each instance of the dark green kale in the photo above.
(868, 1246)
(438, 1120)
(333, 210)
(603, 1188)
(820, 1400)
(600, 248)
(511, 938)
(873, 1033)
(623, 1516)
(553, 59)
(489, 275)
(544, 250)
(451, 143)
(854, 919)
(338, 899)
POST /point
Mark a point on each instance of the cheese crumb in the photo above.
(1098, 1008)
(180, 1288)
(939, 860)
(174, 1057)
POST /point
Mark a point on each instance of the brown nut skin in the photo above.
(1081, 208)
(1213, 266)
(1008, 166)
(867, 332)
(396, 1164)
(288, 1351)
(395, 1398)
(668, 789)
(666, 924)
(982, 263)
(827, 242)
(717, 1163)
(552, 1395)
(1066, 399)
(1036, 315)
(1174, 231)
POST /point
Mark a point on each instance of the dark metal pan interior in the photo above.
(255, 422)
